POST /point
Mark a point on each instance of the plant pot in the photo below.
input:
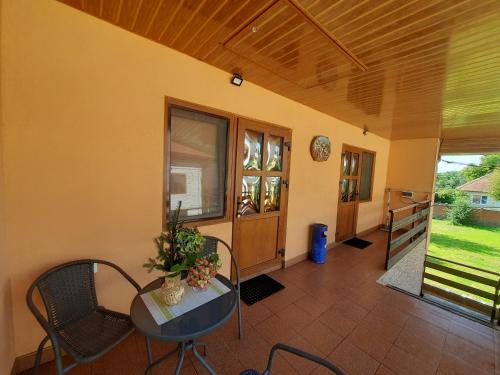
(172, 289)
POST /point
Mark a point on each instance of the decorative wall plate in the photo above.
(320, 148)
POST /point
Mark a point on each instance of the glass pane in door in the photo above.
(272, 198)
(252, 159)
(274, 151)
(343, 190)
(250, 196)
(352, 190)
(354, 164)
(346, 157)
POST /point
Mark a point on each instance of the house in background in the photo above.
(478, 191)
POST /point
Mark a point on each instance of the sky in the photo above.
(466, 159)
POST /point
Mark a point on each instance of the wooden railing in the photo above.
(406, 232)
(474, 288)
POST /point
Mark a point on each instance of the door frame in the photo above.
(279, 262)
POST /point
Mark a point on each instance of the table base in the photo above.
(181, 352)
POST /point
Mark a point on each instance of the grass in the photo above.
(473, 245)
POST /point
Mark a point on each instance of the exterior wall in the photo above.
(490, 203)
(83, 106)
(481, 216)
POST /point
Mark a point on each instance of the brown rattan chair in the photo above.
(75, 322)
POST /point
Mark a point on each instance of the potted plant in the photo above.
(179, 256)
(178, 249)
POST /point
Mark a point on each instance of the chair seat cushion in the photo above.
(93, 335)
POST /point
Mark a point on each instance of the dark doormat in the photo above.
(258, 288)
(357, 243)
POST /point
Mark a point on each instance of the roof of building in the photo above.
(479, 185)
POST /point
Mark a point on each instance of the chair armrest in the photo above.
(38, 315)
(121, 271)
(302, 354)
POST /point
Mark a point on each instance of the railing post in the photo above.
(495, 303)
(389, 239)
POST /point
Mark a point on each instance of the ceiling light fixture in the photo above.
(237, 79)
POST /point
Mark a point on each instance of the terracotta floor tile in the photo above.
(295, 316)
(426, 331)
(301, 365)
(403, 363)
(382, 370)
(321, 336)
(474, 336)
(475, 356)
(353, 360)
(372, 344)
(451, 365)
(383, 328)
(338, 323)
(312, 305)
(256, 313)
(275, 330)
(350, 310)
(419, 347)
(391, 313)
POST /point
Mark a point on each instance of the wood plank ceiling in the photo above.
(409, 69)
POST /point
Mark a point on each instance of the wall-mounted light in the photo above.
(237, 79)
(365, 130)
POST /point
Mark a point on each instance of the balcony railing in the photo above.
(471, 287)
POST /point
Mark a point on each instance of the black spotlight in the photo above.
(237, 79)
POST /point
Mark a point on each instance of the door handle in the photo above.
(238, 204)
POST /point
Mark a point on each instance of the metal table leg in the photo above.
(203, 362)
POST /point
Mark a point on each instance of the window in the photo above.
(196, 152)
(366, 177)
(484, 199)
(476, 199)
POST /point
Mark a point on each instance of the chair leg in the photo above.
(59, 362)
(240, 327)
(38, 357)
(148, 350)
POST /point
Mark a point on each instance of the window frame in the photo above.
(373, 172)
(229, 177)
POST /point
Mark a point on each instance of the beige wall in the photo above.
(412, 164)
(6, 318)
(83, 111)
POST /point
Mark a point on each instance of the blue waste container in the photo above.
(318, 246)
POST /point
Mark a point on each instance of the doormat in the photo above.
(258, 288)
(357, 243)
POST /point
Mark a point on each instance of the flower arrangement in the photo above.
(202, 271)
(178, 248)
(180, 254)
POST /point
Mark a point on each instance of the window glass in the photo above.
(476, 199)
(366, 178)
(484, 199)
(198, 153)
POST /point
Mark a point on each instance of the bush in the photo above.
(445, 196)
(460, 213)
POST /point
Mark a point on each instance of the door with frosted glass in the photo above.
(348, 193)
(261, 194)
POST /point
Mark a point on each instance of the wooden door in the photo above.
(347, 212)
(261, 195)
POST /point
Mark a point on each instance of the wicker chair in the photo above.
(334, 369)
(210, 247)
(75, 322)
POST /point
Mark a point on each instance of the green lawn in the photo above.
(473, 245)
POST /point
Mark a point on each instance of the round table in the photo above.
(184, 329)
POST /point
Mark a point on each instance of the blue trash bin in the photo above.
(318, 248)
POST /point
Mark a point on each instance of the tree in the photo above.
(445, 195)
(488, 164)
(450, 180)
(495, 185)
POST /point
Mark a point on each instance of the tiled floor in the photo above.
(337, 311)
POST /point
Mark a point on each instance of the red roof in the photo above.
(479, 185)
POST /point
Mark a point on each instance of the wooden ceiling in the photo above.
(405, 69)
